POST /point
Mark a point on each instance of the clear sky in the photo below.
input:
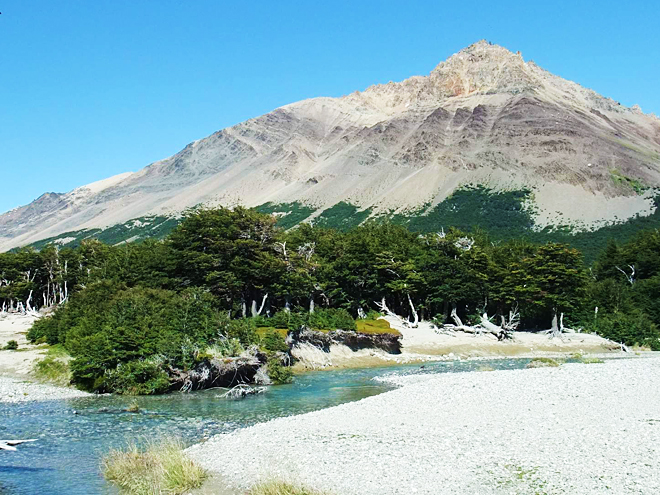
(93, 88)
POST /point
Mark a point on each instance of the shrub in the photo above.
(372, 315)
(320, 319)
(136, 378)
(634, 328)
(331, 319)
(158, 468)
(274, 342)
(244, 330)
(278, 373)
(135, 325)
(542, 362)
(287, 319)
(12, 345)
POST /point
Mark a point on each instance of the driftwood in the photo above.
(485, 325)
(382, 307)
(241, 391)
(9, 444)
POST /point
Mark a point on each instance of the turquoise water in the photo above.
(74, 434)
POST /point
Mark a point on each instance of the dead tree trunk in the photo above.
(415, 322)
(454, 316)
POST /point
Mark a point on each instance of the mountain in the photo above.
(484, 117)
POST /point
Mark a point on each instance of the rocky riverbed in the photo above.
(579, 428)
(20, 390)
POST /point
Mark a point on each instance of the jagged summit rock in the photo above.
(483, 116)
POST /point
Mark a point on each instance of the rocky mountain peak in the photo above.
(482, 117)
(483, 68)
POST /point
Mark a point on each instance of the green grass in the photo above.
(542, 362)
(159, 467)
(262, 331)
(375, 327)
(54, 368)
(592, 360)
(276, 487)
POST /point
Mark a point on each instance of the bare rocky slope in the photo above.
(484, 116)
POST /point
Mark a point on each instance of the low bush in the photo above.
(244, 330)
(277, 372)
(140, 377)
(320, 319)
(157, 468)
(273, 341)
(331, 319)
(12, 345)
(130, 326)
(634, 328)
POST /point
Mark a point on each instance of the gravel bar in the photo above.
(12, 390)
(580, 428)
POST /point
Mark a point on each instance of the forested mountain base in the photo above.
(502, 215)
(138, 317)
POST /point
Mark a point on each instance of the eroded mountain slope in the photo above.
(484, 116)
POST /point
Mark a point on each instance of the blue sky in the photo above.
(92, 88)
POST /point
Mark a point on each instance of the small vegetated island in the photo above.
(224, 298)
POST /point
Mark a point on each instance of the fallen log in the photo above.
(10, 444)
(241, 391)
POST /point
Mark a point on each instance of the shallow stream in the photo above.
(74, 434)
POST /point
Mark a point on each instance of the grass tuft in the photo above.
(592, 360)
(53, 370)
(160, 467)
(542, 362)
(277, 487)
(133, 407)
(485, 367)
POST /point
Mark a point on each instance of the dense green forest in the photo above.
(504, 215)
(226, 280)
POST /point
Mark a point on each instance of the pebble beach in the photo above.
(579, 428)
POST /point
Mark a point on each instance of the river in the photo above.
(74, 434)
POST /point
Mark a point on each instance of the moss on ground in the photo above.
(372, 327)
